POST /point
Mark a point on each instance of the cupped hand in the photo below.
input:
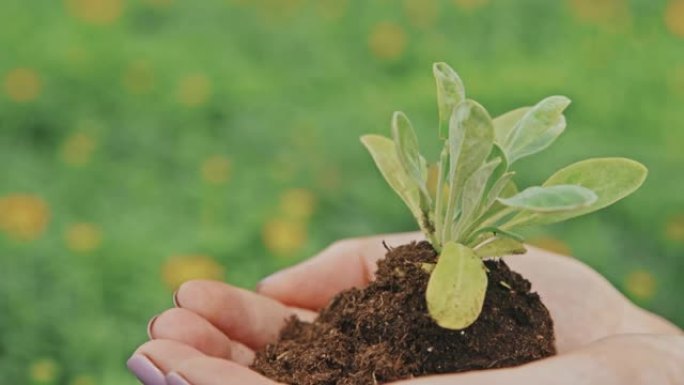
(210, 336)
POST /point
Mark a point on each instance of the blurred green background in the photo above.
(146, 142)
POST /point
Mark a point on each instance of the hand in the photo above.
(210, 336)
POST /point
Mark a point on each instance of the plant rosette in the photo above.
(436, 307)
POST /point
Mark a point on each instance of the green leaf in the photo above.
(538, 128)
(457, 286)
(499, 247)
(384, 153)
(473, 192)
(551, 198)
(407, 144)
(611, 179)
(504, 124)
(450, 92)
(471, 137)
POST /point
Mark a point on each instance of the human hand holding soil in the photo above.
(209, 338)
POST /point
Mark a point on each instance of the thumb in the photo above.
(343, 265)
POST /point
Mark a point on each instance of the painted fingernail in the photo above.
(176, 379)
(145, 370)
(149, 327)
(175, 299)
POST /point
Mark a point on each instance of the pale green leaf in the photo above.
(611, 179)
(499, 247)
(384, 153)
(457, 286)
(503, 124)
(450, 92)
(407, 144)
(472, 195)
(538, 128)
(551, 198)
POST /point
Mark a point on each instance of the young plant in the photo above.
(467, 204)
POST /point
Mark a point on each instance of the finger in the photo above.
(343, 265)
(154, 358)
(213, 371)
(187, 327)
(619, 360)
(243, 316)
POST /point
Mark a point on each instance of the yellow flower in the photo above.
(83, 237)
(23, 217)
(674, 228)
(193, 90)
(98, 12)
(297, 204)
(284, 237)
(469, 5)
(641, 284)
(179, 269)
(138, 78)
(674, 17)
(22, 85)
(387, 41)
(421, 13)
(44, 371)
(551, 244)
(82, 379)
(78, 149)
(614, 14)
(216, 170)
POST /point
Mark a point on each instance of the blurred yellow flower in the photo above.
(98, 12)
(82, 379)
(614, 14)
(471, 4)
(297, 204)
(23, 217)
(387, 41)
(332, 9)
(421, 13)
(216, 170)
(284, 237)
(641, 284)
(77, 149)
(551, 244)
(83, 237)
(193, 90)
(138, 78)
(179, 269)
(674, 17)
(43, 371)
(674, 228)
(22, 85)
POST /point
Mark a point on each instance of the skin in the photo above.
(211, 334)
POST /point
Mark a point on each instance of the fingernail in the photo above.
(149, 327)
(175, 299)
(176, 379)
(145, 370)
(267, 281)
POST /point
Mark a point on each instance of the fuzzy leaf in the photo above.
(407, 145)
(456, 289)
(611, 179)
(499, 247)
(450, 92)
(538, 128)
(551, 198)
(473, 192)
(504, 124)
(384, 153)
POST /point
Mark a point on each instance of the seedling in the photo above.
(468, 205)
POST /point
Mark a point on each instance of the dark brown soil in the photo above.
(383, 333)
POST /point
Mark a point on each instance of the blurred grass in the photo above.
(146, 142)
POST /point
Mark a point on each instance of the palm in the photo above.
(217, 327)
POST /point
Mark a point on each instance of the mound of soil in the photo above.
(383, 333)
